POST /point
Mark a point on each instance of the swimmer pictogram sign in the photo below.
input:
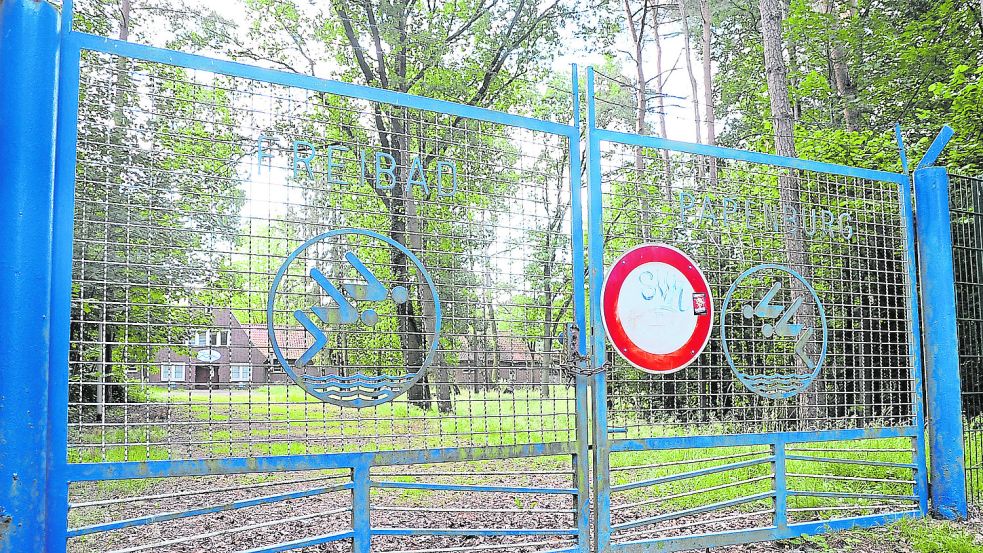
(657, 308)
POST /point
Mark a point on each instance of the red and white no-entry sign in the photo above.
(657, 308)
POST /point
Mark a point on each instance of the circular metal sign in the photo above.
(657, 308)
(774, 331)
(353, 317)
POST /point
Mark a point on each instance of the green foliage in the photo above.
(943, 537)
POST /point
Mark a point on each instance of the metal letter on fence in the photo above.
(948, 489)
(28, 70)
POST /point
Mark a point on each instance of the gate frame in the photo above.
(604, 445)
(43, 515)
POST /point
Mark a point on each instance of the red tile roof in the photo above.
(293, 341)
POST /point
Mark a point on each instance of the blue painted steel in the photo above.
(848, 495)
(475, 531)
(28, 71)
(301, 543)
(595, 245)
(780, 487)
(748, 380)
(161, 517)
(942, 385)
(935, 148)
(901, 148)
(692, 474)
(361, 505)
(86, 41)
(915, 338)
(761, 438)
(87, 472)
(468, 488)
(744, 155)
(581, 459)
(61, 287)
(314, 386)
(595, 426)
(719, 539)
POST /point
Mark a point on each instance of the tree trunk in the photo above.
(688, 52)
(641, 107)
(708, 73)
(708, 102)
(788, 183)
(661, 99)
(845, 88)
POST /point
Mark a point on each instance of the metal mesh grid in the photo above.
(179, 232)
(967, 241)
(848, 242)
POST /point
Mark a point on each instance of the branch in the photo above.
(346, 23)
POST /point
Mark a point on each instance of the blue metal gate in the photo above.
(289, 312)
(754, 441)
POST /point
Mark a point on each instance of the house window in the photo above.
(241, 373)
(173, 372)
(211, 338)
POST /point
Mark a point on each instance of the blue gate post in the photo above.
(29, 47)
(935, 268)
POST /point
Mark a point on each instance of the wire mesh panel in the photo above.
(273, 270)
(802, 411)
(840, 249)
(967, 240)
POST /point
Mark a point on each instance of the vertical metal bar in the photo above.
(61, 286)
(781, 485)
(942, 362)
(595, 245)
(28, 72)
(581, 461)
(915, 339)
(361, 506)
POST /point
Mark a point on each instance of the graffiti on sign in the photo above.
(657, 308)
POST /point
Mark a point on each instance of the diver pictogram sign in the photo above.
(657, 308)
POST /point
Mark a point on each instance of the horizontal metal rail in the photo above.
(851, 461)
(692, 474)
(474, 531)
(241, 504)
(85, 41)
(691, 461)
(225, 531)
(467, 488)
(721, 152)
(690, 493)
(760, 438)
(850, 495)
(135, 499)
(81, 472)
(692, 511)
